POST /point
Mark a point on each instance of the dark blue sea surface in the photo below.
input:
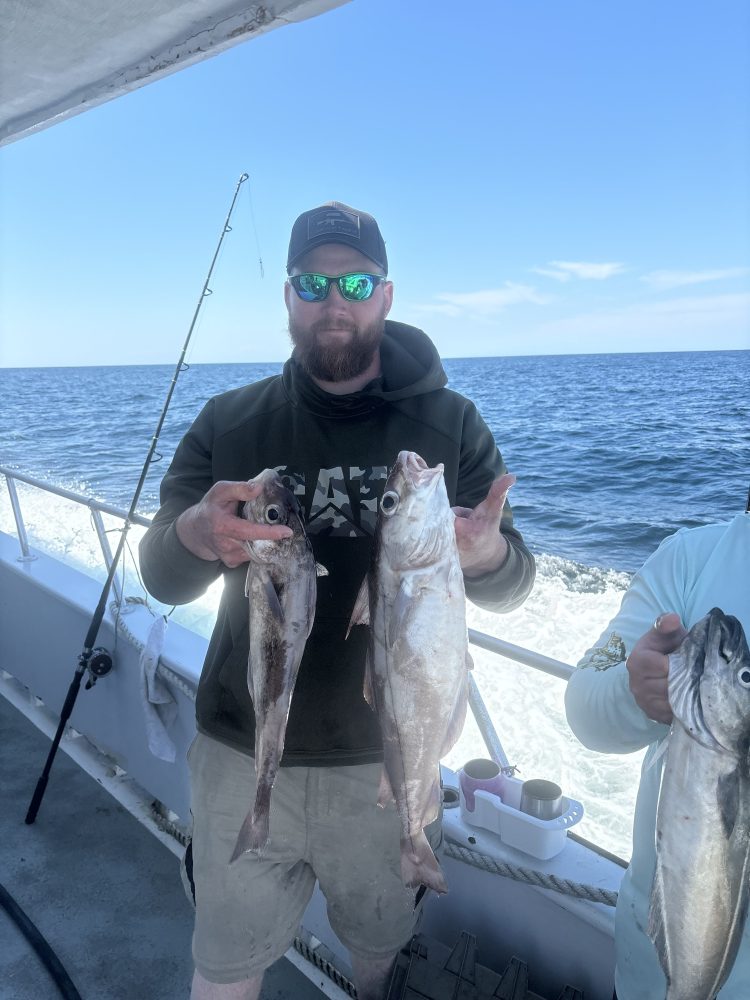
(612, 451)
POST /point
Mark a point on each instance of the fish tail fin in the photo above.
(419, 866)
(253, 835)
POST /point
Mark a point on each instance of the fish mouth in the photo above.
(725, 639)
(716, 636)
(417, 471)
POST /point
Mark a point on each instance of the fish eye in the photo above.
(273, 514)
(389, 502)
(743, 676)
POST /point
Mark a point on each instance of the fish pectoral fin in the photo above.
(403, 606)
(320, 570)
(367, 688)
(456, 724)
(272, 598)
(656, 930)
(728, 795)
(361, 610)
(385, 791)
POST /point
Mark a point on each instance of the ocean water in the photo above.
(611, 453)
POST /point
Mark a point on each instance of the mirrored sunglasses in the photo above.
(356, 287)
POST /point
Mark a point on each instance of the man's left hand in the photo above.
(481, 547)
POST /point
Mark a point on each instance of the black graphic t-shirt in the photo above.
(334, 452)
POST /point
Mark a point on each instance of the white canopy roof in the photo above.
(60, 57)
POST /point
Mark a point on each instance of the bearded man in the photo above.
(357, 390)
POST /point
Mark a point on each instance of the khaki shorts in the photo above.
(325, 825)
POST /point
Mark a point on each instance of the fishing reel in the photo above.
(98, 665)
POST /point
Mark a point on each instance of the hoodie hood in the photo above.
(410, 366)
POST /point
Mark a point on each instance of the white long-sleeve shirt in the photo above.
(691, 572)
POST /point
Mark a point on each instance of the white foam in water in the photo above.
(568, 608)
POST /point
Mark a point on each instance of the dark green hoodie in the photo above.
(335, 453)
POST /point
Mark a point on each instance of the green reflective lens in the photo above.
(314, 286)
(355, 287)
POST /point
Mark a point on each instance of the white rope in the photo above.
(529, 875)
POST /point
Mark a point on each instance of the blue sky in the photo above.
(549, 178)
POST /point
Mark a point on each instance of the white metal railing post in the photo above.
(106, 550)
(521, 655)
(487, 728)
(26, 554)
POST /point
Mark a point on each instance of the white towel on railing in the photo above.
(159, 707)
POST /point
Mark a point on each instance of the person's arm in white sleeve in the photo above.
(616, 700)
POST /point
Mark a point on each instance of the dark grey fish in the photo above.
(281, 590)
(418, 659)
(699, 898)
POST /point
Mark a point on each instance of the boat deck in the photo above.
(102, 890)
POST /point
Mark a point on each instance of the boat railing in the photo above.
(97, 508)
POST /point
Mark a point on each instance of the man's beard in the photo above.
(336, 362)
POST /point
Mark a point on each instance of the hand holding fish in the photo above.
(648, 666)
(481, 546)
(213, 529)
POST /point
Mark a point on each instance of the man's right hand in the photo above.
(648, 666)
(212, 528)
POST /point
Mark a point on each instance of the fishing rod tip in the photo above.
(244, 177)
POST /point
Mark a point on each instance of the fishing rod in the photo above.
(96, 660)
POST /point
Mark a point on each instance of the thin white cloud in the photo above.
(676, 323)
(564, 270)
(662, 280)
(485, 303)
(686, 323)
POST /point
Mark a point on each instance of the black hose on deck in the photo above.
(33, 935)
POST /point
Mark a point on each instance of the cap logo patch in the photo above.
(332, 220)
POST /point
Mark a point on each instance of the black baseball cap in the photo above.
(337, 223)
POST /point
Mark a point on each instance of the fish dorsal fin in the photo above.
(685, 699)
(361, 609)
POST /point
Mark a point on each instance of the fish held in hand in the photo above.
(699, 897)
(418, 657)
(281, 590)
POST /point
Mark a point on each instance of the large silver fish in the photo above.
(418, 659)
(699, 897)
(281, 590)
